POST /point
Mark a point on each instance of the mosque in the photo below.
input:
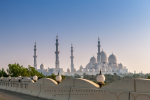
(108, 65)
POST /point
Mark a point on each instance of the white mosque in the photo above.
(108, 65)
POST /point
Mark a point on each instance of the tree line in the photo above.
(16, 70)
(110, 78)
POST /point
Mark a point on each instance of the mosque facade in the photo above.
(108, 65)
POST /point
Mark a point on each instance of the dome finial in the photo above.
(35, 42)
(100, 72)
(57, 36)
(98, 38)
(102, 49)
(58, 72)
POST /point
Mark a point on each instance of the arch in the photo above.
(121, 85)
(79, 82)
(143, 95)
(46, 81)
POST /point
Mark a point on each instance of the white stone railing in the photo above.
(79, 89)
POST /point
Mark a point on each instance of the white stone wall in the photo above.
(80, 89)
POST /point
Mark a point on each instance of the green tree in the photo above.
(77, 75)
(63, 77)
(52, 76)
(3, 73)
(16, 70)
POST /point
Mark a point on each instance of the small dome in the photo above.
(104, 57)
(120, 66)
(89, 66)
(112, 59)
(93, 60)
(68, 70)
(42, 66)
(81, 67)
(74, 70)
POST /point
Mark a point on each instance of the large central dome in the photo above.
(112, 59)
(104, 57)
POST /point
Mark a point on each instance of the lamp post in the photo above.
(100, 79)
(19, 78)
(58, 78)
(35, 78)
(9, 78)
(1, 78)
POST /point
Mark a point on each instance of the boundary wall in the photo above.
(79, 89)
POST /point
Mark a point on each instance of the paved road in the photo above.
(9, 95)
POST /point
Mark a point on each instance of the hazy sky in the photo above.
(122, 25)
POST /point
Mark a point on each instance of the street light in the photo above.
(19, 78)
(35, 78)
(9, 78)
(1, 78)
(58, 78)
(100, 79)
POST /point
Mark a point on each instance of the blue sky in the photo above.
(122, 25)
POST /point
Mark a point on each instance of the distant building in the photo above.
(108, 65)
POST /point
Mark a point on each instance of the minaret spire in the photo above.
(57, 54)
(72, 65)
(35, 56)
(99, 53)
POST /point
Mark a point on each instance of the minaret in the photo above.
(35, 56)
(72, 65)
(57, 54)
(99, 53)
